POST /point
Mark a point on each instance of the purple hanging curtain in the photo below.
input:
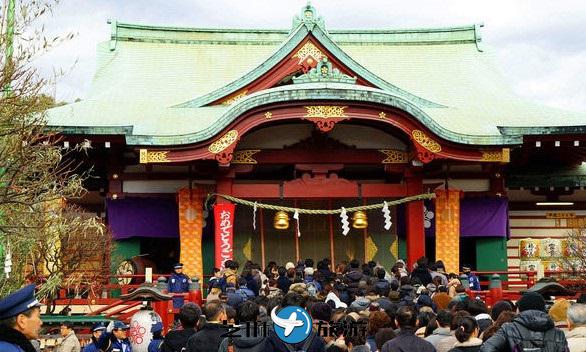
(484, 217)
(144, 217)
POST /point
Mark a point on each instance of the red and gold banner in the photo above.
(190, 230)
(447, 229)
(224, 233)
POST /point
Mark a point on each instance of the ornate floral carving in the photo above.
(502, 156)
(382, 115)
(268, 115)
(426, 142)
(324, 72)
(309, 50)
(325, 111)
(158, 156)
(224, 158)
(394, 156)
(224, 142)
(235, 98)
(244, 156)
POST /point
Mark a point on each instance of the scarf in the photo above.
(15, 337)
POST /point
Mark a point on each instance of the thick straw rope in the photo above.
(321, 211)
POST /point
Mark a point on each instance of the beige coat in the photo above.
(69, 344)
(577, 339)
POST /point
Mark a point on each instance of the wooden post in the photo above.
(415, 229)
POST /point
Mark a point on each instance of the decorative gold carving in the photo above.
(235, 98)
(224, 142)
(426, 142)
(382, 115)
(503, 156)
(309, 50)
(371, 248)
(244, 156)
(268, 115)
(325, 111)
(394, 156)
(247, 249)
(146, 156)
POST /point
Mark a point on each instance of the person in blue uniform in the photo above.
(157, 341)
(178, 283)
(472, 279)
(115, 338)
(97, 331)
(20, 320)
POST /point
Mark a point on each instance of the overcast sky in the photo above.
(540, 44)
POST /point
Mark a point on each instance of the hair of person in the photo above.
(308, 263)
(433, 267)
(355, 340)
(423, 318)
(189, 315)
(242, 282)
(213, 309)
(460, 289)
(476, 307)
(282, 271)
(291, 273)
(442, 288)
(460, 305)
(444, 318)
(215, 270)
(11, 322)
(498, 308)
(506, 316)
(382, 336)
(380, 273)
(577, 314)
(431, 326)
(230, 312)
(394, 286)
(248, 311)
(377, 320)
(581, 299)
(354, 264)
(321, 311)
(293, 299)
(456, 319)
(437, 280)
(406, 317)
(67, 324)
(422, 261)
(452, 276)
(466, 329)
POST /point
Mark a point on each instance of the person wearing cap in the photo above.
(20, 320)
(472, 279)
(97, 330)
(531, 330)
(70, 342)
(157, 341)
(178, 283)
(115, 338)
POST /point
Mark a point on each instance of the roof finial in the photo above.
(308, 17)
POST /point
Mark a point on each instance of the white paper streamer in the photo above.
(345, 222)
(387, 216)
(296, 217)
(8, 263)
(254, 216)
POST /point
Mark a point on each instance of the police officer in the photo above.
(115, 338)
(178, 283)
(20, 320)
(472, 279)
(97, 331)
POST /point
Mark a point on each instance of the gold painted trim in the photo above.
(244, 156)
(394, 156)
(503, 156)
(309, 50)
(426, 142)
(382, 115)
(235, 98)
(325, 111)
(268, 115)
(146, 156)
(224, 142)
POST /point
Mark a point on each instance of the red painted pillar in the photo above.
(415, 229)
(224, 186)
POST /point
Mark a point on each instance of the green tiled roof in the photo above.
(151, 82)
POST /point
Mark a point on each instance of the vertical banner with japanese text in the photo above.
(224, 233)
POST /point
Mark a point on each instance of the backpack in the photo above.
(312, 289)
(305, 346)
(223, 282)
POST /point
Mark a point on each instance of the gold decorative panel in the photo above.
(247, 249)
(426, 142)
(224, 142)
(503, 156)
(325, 111)
(309, 50)
(235, 98)
(394, 156)
(244, 156)
(146, 156)
(371, 248)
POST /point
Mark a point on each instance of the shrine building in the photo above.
(311, 117)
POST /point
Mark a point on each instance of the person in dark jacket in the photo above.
(406, 340)
(20, 320)
(353, 277)
(249, 341)
(467, 336)
(176, 340)
(472, 279)
(531, 330)
(382, 286)
(422, 273)
(283, 282)
(209, 337)
(157, 341)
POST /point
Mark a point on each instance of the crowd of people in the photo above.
(354, 307)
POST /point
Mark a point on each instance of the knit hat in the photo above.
(360, 304)
(394, 296)
(498, 308)
(289, 265)
(531, 300)
(559, 310)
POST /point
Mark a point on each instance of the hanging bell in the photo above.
(359, 220)
(281, 221)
